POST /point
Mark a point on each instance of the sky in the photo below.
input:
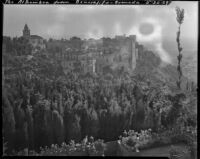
(155, 26)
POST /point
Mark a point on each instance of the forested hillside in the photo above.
(42, 106)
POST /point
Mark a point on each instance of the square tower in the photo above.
(26, 31)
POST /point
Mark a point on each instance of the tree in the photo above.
(29, 119)
(21, 135)
(89, 122)
(179, 18)
(42, 123)
(8, 121)
(72, 126)
(58, 127)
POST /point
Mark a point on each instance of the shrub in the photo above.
(136, 140)
(131, 142)
(174, 153)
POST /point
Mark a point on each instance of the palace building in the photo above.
(37, 42)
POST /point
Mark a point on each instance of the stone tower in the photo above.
(134, 52)
(26, 31)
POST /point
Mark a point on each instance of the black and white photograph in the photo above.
(100, 80)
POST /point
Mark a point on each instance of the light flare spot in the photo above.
(149, 30)
(146, 28)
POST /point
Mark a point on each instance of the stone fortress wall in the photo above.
(94, 55)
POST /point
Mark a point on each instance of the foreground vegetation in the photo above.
(132, 141)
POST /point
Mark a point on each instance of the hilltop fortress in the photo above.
(97, 55)
(91, 55)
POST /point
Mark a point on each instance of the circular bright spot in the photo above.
(146, 28)
(149, 30)
(145, 33)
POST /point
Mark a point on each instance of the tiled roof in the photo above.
(35, 37)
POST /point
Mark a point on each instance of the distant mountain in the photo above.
(189, 64)
(149, 65)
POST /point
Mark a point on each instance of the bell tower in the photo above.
(26, 31)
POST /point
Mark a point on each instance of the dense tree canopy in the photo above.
(43, 106)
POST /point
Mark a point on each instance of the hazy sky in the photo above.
(154, 25)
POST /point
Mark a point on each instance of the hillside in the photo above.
(43, 106)
(150, 66)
